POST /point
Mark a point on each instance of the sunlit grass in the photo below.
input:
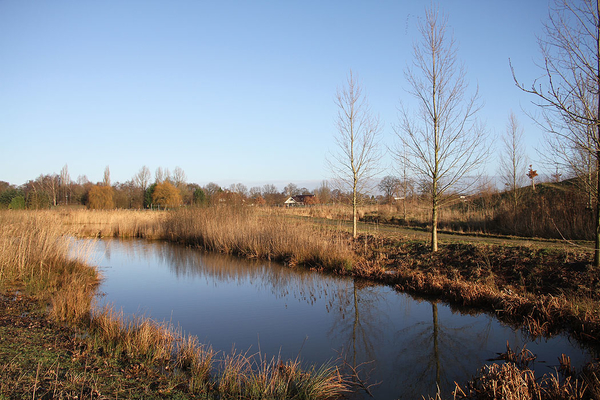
(35, 256)
(259, 234)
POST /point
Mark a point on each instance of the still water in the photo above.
(407, 347)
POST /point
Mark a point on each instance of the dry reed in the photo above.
(259, 234)
(114, 223)
(36, 255)
(514, 380)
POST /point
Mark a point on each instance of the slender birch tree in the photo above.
(355, 163)
(444, 143)
(513, 164)
(568, 94)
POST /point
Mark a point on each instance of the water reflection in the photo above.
(411, 347)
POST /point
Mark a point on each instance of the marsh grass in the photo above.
(35, 256)
(114, 223)
(251, 376)
(196, 359)
(260, 234)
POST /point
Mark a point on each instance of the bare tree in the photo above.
(162, 175)
(106, 179)
(389, 186)
(142, 178)
(291, 190)
(406, 187)
(444, 144)
(513, 164)
(65, 183)
(239, 188)
(179, 177)
(569, 94)
(271, 194)
(355, 163)
(323, 192)
(50, 184)
(255, 192)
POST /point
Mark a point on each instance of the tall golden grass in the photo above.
(114, 223)
(554, 211)
(36, 256)
(259, 234)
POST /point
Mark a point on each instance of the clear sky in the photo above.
(229, 91)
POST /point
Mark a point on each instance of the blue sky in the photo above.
(230, 91)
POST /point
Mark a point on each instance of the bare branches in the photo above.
(355, 163)
(513, 164)
(444, 143)
(569, 93)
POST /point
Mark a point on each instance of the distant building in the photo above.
(299, 200)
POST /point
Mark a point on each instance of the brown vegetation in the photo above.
(553, 211)
(514, 380)
(166, 195)
(35, 256)
(101, 198)
(259, 234)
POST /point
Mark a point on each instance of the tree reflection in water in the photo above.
(433, 355)
(358, 326)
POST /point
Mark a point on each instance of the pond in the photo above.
(406, 347)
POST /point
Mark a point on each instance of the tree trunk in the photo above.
(597, 217)
(354, 212)
(434, 222)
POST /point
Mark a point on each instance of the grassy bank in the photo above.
(53, 345)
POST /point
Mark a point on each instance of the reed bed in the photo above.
(242, 231)
(514, 380)
(114, 223)
(260, 234)
(36, 256)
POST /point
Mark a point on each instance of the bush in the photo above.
(17, 203)
(7, 196)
